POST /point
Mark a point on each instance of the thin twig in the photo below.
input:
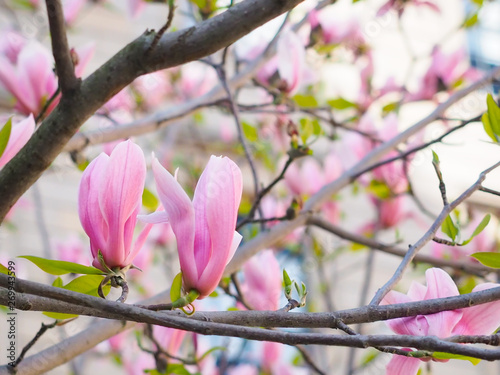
(164, 28)
(241, 136)
(429, 235)
(262, 193)
(65, 69)
(32, 342)
(464, 266)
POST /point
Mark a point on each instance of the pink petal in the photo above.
(401, 365)
(35, 71)
(263, 281)
(440, 285)
(291, 60)
(180, 210)
(88, 204)
(19, 135)
(154, 218)
(217, 198)
(71, 8)
(482, 319)
(120, 198)
(417, 291)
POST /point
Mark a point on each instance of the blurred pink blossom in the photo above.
(71, 9)
(30, 79)
(444, 72)
(262, 285)
(476, 320)
(399, 6)
(21, 132)
(289, 63)
(170, 339)
(135, 7)
(72, 249)
(337, 23)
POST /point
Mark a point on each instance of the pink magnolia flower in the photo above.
(476, 320)
(444, 72)
(204, 228)
(19, 135)
(196, 79)
(110, 197)
(71, 249)
(30, 79)
(11, 43)
(262, 286)
(170, 339)
(289, 62)
(337, 23)
(71, 9)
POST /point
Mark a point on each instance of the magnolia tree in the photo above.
(229, 186)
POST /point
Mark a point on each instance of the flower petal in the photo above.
(440, 285)
(401, 365)
(217, 198)
(482, 319)
(120, 198)
(88, 204)
(180, 210)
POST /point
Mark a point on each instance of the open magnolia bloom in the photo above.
(109, 200)
(205, 227)
(476, 320)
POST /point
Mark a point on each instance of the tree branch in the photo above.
(173, 49)
(464, 266)
(65, 69)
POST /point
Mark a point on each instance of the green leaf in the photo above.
(5, 135)
(449, 228)
(306, 129)
(487, 127)
(4, 269)
(493, 114)
(489, 259)
(441, 355)
(471, 20)
(379, 189)
(177, 368)
(341, 103)
(286, 279)
(149, 200)
(479, 228)
(60, 267)
(58, 283)
(391, 107)
(435, 158)
(86, 284)
(305, 100)
(176, 288)
(250, 132)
